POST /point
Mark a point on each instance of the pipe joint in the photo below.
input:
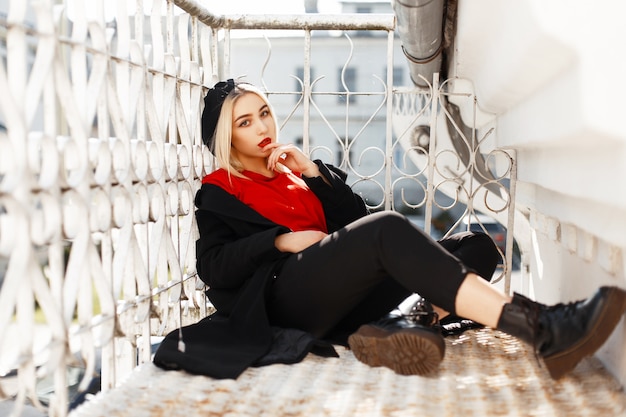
(422, 61)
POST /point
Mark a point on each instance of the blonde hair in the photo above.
(224, 127)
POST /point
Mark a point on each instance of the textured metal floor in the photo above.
(484, 373)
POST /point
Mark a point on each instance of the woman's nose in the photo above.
(262, 126)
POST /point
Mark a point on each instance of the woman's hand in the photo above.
(291, 157)
(295, 242)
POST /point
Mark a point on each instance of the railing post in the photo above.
(510, 227)
(389, 202)
(306, 93)
(432, 154)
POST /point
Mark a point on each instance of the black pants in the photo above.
(363, 271)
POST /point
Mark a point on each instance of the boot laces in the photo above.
(423, 313)
(565, 310)
(424, 318)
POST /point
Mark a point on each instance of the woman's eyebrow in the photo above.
(263, 107)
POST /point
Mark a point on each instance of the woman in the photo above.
(293, 261)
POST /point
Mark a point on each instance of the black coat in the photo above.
(237, 259)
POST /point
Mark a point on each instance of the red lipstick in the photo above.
(264, 142)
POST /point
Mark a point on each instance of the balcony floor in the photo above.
(484, 373)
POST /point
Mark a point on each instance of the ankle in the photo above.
(478, 300)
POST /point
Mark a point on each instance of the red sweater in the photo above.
(284, 199)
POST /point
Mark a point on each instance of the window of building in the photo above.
(300, 75)
(349, 77)
(364, 33)
(398, 76)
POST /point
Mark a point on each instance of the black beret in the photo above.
(212, 108)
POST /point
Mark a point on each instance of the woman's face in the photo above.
(253, 127)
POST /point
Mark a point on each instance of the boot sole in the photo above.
(562, 362)
(406, 351)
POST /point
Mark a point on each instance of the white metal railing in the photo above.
(101, 158)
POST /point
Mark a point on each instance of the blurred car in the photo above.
(485, 224)
(418, 220)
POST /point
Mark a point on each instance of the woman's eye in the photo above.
(265, 113)
(244, 123)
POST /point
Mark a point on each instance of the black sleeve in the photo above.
(227, 253)
(341, 205)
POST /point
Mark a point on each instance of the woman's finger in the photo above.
(273, 158)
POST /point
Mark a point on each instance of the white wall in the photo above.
(551, 74)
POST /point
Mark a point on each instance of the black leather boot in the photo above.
(563, 334)
(452, 325)
(399, 343)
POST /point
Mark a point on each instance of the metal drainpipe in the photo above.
(420, 27)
